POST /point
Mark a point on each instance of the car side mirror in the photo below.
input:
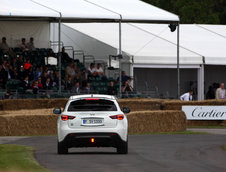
(57, 111)
(126, 110)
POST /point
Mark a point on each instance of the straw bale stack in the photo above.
(156, 121)
(28, 122)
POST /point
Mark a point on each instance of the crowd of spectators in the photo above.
(35, 78)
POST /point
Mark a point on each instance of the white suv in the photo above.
(92, 121)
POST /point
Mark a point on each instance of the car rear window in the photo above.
(92, 105)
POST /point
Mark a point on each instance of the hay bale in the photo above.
(156, 121)
(22, 125)
(17, 104)
(28, 122)
(60, 103)
(177, 104)
(140, 104)
(3, 126)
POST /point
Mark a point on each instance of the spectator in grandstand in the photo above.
(51, 53)
(30, 74)
(69, 84)
(221, 92)
(76, 88)
(38, 72)
(51, 75)
(8, 71)
(40, 85)
(56, 80)
(47, 85)
(83, 78)
(65, 57)
(23, 45)
(27, 66)
(30, 44)
(210, 94)
(127, 89)
(21, 73)
(20, 62)
(92, 70)
(35, 87)
(111, 89)
(187, 96)
(14, 63)
(77, 73)
(3, 77)
(5, 48)
(46, 69)
(15, 73)
(69, 72)
(44, 78)
(25, 84)
(99, 70)
(88, 89)
(125, 78)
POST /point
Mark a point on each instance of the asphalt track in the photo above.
(157, 153)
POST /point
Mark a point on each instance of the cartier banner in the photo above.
(205, 112)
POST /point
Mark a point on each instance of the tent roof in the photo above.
(145, 47)
(24, 8)
(136, 11)
(207, 40)
(85, 10)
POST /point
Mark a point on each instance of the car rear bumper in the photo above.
(100, 140)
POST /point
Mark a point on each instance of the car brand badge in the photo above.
(92, 114)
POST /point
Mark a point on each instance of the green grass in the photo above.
(224, 147)
(18, 158)
(208, 127)
(170, 133)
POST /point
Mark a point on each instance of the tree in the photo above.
(193, 11)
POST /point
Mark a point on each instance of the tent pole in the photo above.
(178, 62)
(59, 53)
(120, 55)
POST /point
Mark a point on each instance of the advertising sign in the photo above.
(205, 112)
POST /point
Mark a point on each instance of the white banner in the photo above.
(205, 112)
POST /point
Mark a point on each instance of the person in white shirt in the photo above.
(99, 70)
(92, 70)
(220, 92)
(187, 96)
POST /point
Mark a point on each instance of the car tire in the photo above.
(61, 148)
(123, 148)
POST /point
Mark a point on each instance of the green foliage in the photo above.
(224, 147)
(195, 11)
(18, 158)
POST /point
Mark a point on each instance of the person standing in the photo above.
(31, 45)
(220, 92)
(187, 96)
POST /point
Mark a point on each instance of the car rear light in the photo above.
(92, 140)
(66, 117)
(119, 117)
(91, 99)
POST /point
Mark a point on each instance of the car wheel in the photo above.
(122, 148)
(61, 148)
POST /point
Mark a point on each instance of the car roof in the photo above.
(103, 96)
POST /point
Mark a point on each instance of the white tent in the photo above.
(85, 11)
(206, 40)
(154, 45)
(145, 48)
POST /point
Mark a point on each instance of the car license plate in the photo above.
(92, 121)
